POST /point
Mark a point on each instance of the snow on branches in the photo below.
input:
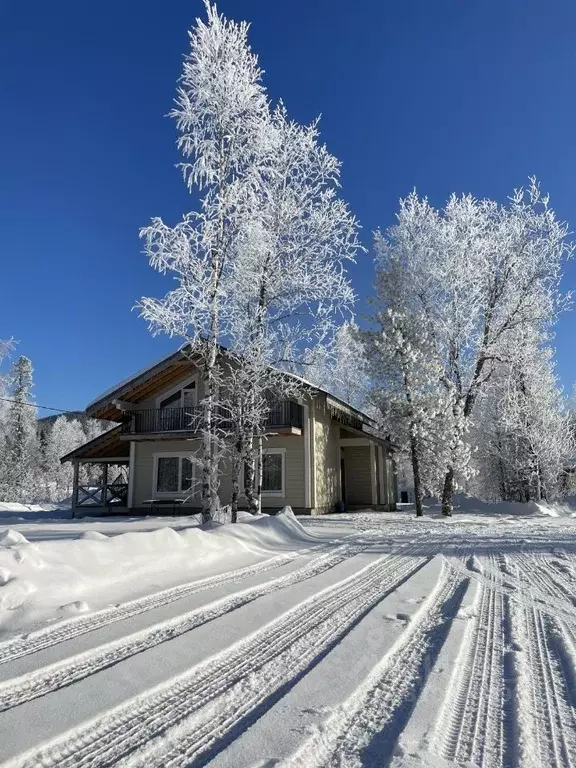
(260, 266)
(469, 285)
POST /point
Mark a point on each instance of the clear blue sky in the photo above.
(444, 96)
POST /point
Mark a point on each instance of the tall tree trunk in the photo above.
(259, 474)
(208, 457)
(249, 479)
(448, 493)
(236, 469)
(416, 474)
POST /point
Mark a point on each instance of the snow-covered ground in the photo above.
(361, 639)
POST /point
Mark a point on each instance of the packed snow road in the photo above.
(354, 640)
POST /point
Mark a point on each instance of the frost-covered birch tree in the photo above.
(290, 272)
(413, 405)
(478, 272)
(219, 112)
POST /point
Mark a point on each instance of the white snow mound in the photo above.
(11, 538)
(68, 574)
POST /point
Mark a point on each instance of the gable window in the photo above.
(173, 474)
(177, 408)
(184, 396)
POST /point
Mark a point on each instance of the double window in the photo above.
(173, 474)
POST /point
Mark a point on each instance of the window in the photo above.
(273, 472)
(173, 474)
(167, 474)
(177, 409)
(272, 480)
(185, 396)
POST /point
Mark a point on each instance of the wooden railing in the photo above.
(282, 415)
(109, 495)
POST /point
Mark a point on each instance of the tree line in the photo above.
(31, 449)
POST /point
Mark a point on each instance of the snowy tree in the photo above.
(290, 278)
(341, 367)
(413, 406)
(63, 437)
(525, 433)
(260, 267)
(21, 454)
(219, 112)
(91, 474)
(477, 272)
(6, 348)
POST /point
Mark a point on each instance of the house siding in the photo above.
(144, 451)
(327, 459)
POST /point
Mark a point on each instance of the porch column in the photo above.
(373, 474)
(76, 466)
(104, 483)
(381, 470)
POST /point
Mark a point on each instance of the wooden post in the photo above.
(104, 483)
(76, 466)
(373, 475)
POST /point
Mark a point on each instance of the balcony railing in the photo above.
(285, 414)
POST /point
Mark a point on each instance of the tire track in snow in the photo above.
(475, 722)
(364, 730)
(73, 627)
(26, 687)
(228, 691)
(547, 708)
(538, 572)
(65, 630)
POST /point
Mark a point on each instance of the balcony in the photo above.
(285, 416)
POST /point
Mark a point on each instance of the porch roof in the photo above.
(105, 447)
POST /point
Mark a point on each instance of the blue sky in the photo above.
(444, 96)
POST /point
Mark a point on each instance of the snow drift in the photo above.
(59, 574)
(13, 511)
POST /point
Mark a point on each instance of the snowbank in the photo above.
(55, 574)
(12, 511)
(469, 505)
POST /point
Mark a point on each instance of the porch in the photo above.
(367, 476)
(101, 476)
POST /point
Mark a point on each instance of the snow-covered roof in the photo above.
(111, 390)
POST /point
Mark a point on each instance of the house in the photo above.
(318, 450)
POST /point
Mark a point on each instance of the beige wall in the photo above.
(326, 457)
(144, 481)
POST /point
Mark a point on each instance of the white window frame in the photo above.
(179, 387)
(173, 455)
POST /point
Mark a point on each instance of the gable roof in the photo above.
(169, 370)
